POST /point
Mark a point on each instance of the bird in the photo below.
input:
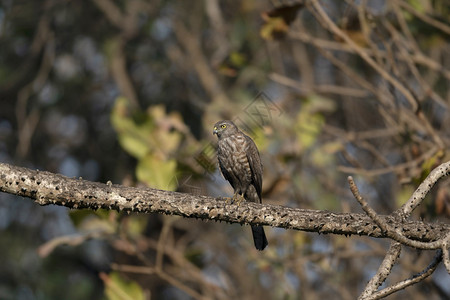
(240, 164)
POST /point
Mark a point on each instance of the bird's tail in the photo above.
(259, 237)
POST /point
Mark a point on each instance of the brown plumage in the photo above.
(241, 166)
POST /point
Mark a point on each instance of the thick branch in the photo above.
(386, 228)
(48, 188)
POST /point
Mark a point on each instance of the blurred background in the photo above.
(128, 91)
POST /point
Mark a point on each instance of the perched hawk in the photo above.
(240, 164)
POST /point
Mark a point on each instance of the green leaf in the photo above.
(153, 137)
(132, 136)
(100, 220)
(117, 288)
(274, 26)
(323, 156)
(156, 172)
(308, 128)
(136, 225)
(237, 59)
(260, 138)
(79, 215)
(310, 120)
(428, 165)
(142, 132)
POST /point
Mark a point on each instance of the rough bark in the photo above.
(48, 188)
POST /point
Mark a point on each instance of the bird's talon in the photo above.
(239, 200)
(235, 196)
(228, 200)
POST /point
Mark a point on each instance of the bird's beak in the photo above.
(215, 130)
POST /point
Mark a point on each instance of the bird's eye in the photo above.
(223, 126)
(215, 128)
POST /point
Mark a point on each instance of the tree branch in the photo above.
(424, 188)
(405, 283)
(49, 188)
(386, 228)
(384, 270)
(394, 251)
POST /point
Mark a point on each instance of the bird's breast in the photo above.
(232, 154)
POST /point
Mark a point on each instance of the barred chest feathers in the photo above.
(232, 154)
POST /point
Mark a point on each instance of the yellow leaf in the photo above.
(275, 26)
(136, 225)
(310, 119)
(237, 59)
(261, 139)
(133, 145)
(117, 288)
(132, 136)
(308, 128)
(156, 172)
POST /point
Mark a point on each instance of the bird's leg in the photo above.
(238, 198)
(228, 200)
(235, 197)
(231, 200)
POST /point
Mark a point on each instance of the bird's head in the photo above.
(224, 128)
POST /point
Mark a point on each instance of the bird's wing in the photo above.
(226, 175)
(255, 165)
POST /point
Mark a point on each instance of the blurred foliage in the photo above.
(277, 21)
(119, 289)
(311, 119)
(95, 221)
(128, 91)
(149, 137)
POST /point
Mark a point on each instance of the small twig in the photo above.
(162, 241)
(207, 77)
(324, 44)
(161, 274)
(111, 11)
(115, 288)
(191, 272)
(432, 21)
(394, 169)
(402, 47)
(27, 122)
(72, 240)
(325, 20)
(362, 82)
(319, 88)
